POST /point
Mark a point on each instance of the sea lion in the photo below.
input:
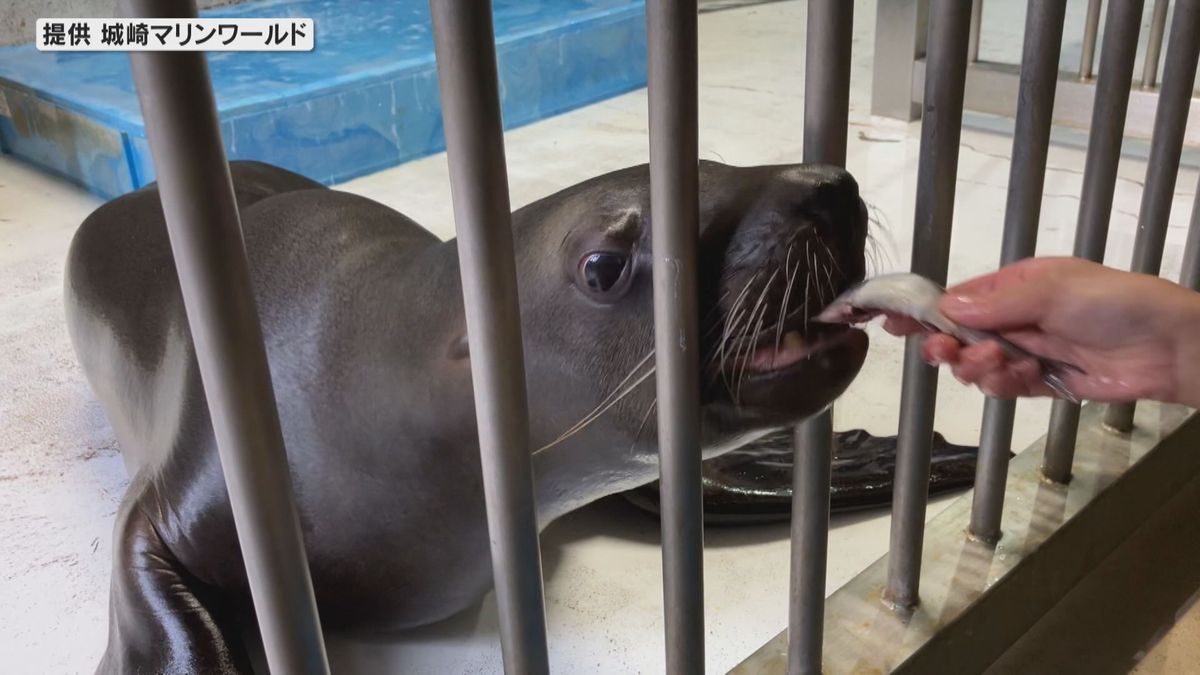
(364, 328)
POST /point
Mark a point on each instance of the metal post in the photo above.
(674, 203)
(180, 113)
(1026, 180)
(810, 543)
(1162, 166)
(976, 27)
(827, 81)
(941, 129)
(1189, 274)
(1095, 201)
(466, 63)
(1091, 29)
(899, 41)
(826, 119)
(1158, 25)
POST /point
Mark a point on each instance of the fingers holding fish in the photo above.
(939, 349)
(978, 360)
(988, 366)
(1015, 379)
(901, 326)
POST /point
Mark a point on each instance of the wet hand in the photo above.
(1134, 336)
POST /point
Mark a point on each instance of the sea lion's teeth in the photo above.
(792, 348)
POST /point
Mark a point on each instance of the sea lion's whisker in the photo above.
(645, 418)
(586, 421)
(633, 371)
(830, 263)
(753, 326)
(787, 296)
(745, 331)
(731, 324)
(807, 280)
(816, 271)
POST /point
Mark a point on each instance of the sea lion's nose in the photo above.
(809, 197)
(834, 182)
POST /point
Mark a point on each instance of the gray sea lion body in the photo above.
(363, 322)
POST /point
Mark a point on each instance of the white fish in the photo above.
(916, 297)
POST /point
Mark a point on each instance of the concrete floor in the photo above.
(61, 476)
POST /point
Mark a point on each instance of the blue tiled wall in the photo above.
(366, 98)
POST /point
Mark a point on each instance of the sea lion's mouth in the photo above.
(788, 370)
(784, 344)
(793, 347)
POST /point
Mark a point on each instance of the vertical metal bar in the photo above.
(1158, 25)
(466, 64)
(1091, 29)
(1162, 166)
(976, 27)
(1095, 201)
(810, 543)
(180, 113)
(827, 81)
(1026, 179)
(941, 129)
(830, 33)
(674, 202)
(899, 41)
(1189, 274)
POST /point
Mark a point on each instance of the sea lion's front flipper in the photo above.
(161, 619)
(753, 484)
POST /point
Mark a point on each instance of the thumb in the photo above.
(997, 307)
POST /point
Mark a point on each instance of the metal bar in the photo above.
(982, 603)
(1158, 25)
(1091, 29)
(1189, 274)
(899, 39)
(976, 27)
(1095, 201)
(466, 64)
(941, 129)
(810, 543)
(1026, 180)
(827, 81)
(180, 113)
(674, 201)
(992, 89)
(826, 122)
(1162, 166)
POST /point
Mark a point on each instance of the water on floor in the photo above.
(61, 477)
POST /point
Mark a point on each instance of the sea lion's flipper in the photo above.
(753, 484)
(161, 619)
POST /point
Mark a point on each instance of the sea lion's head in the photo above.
(777, 243)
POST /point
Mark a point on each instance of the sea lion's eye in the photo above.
(601, 271)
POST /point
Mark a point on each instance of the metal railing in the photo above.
(945, 69)
(181, 122)
(991, 87)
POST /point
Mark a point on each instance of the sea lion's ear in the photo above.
(459, 348)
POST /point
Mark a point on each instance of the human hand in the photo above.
(1134, 336)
